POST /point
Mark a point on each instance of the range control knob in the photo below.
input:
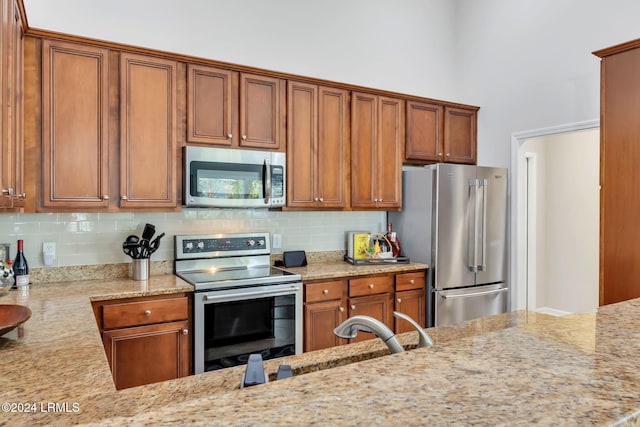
(201, 245)
(251, 242)
(261, 242)
(188, 245)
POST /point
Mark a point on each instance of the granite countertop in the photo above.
(512, 369)
(340, 269)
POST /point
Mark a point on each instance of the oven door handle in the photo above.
(271, 293)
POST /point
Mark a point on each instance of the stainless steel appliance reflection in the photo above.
(454, 219)
(242, 305)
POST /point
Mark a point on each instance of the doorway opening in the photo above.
(555, 217)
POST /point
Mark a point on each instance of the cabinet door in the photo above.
(211, 105)
(364, 136)
(390, 153)
(260, 103)
(460, 135)
(302, 140)
(148, 354)
(320, 319)
(411, 303)
(75, 125)
(424, 132)
(379, 307)
(332, 153)
(148, 139)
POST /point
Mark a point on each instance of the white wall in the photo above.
(567, 234)
(528, 63)
(400, 45)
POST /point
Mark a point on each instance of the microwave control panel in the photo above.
(277, 185)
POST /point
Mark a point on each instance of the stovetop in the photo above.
(223, 261)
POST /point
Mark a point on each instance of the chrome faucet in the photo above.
(424, 340)
(350, 327)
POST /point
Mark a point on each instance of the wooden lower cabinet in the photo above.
(146, 339)
(148, 354)
(329, 303)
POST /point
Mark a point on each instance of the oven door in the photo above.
(219, 177)
(231, 324)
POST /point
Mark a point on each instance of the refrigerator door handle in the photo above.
(475, 294)
(473, 226)
(483, 265)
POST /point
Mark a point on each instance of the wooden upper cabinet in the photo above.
(424, 132)
(212, 104)
(262, 110)
(148, 140)
(317, 146)
(377, 147)
(11, 88)
(459, 135)
(75, 125)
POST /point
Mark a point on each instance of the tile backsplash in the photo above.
(96, 238)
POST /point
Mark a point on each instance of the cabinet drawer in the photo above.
(144, 312)
(370, 285)
(324, 291)
(407, 281)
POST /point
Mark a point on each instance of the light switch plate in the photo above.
(49, 253)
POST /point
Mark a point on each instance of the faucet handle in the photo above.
(424, 339)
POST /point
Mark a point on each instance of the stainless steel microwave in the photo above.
(233, 178)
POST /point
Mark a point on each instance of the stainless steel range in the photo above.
(242, 305)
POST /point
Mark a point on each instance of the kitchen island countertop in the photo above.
(511, 369)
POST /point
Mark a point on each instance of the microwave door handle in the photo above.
(266, 183)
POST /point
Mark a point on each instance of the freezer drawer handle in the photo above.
(475, 294)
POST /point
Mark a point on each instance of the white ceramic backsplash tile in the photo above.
(96, 238)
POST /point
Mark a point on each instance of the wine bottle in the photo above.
(20, 266)
(393, 239)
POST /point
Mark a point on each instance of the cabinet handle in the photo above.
(124, 198)
(375, 200)
(353, 307)
(244, 137)
(341, 309)
(147, 313)
(399, 300)
(411, 281)
(326, 291)
(22, 196)
(439, 154)
(230, 135)
(321, 199)
(185, 332)
(8, 191)
(315, 200)
(371, 286)
(105, 197)
(447, 154)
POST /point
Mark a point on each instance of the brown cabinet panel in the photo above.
(459, 135)
(211, 105)
(370, 285)
(302, 142)
(148, 354)
(379, 307)
(261, 100)
(411, 303)
(324, 291)
(144, 312)
(408, 281)
(424, 132)
(148, 150)
(364, 137)
(619, 177)
(317, 146)
(75, 125)
(377, 147)
(320, 319)
(388, 170)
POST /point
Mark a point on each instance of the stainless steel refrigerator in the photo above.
(454, 219)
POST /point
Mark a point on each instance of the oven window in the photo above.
(226, 180)
(233, 330)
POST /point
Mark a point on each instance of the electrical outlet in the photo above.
(49, 253)
(277, 241)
